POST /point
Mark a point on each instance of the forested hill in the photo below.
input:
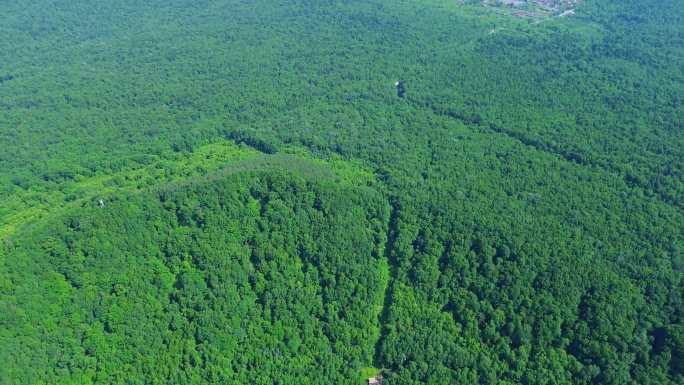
(226, 191)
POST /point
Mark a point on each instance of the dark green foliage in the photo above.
(252, 140)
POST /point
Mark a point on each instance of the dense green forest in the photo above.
(238, 192)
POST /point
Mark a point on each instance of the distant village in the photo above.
(536, 10)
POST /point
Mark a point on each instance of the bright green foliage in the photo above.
(24, 205)
(274, 213)
(248, 278)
